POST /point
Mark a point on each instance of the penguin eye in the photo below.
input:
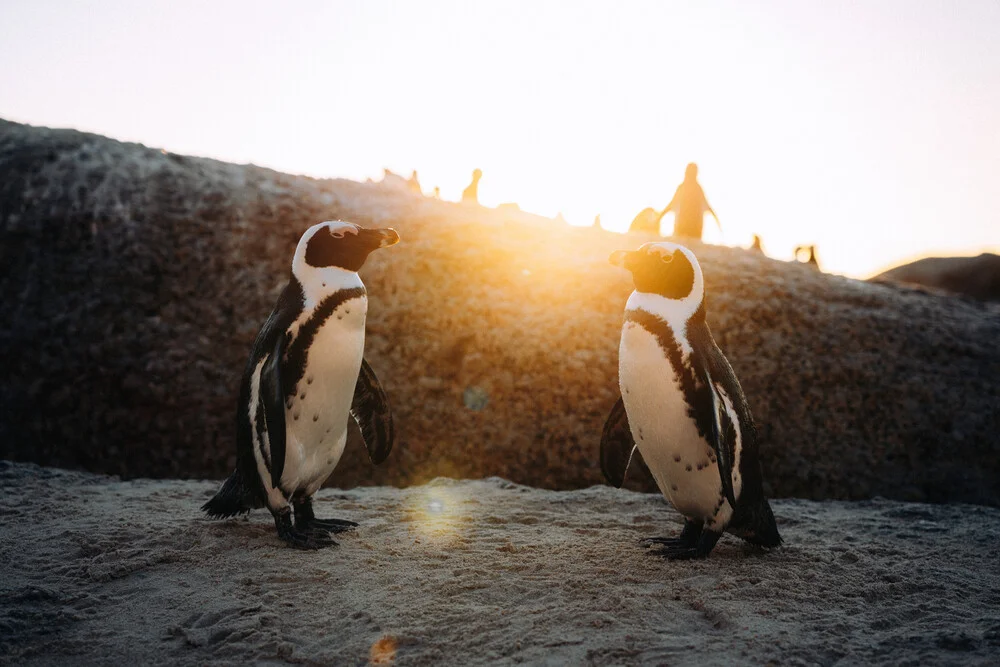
(666, 259)
(337, 234)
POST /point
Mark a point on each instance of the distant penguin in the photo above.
(306, 374)
(810, 259)
(683, 409)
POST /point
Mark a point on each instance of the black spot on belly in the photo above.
(347, 311)
(677, 458)
(688, 467)
(673, 487)
(294, 368)
(315, 418)
(295, 416)
(309, 380)
(302, 396)
(700, 466)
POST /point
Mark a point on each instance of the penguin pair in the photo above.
(681, 405)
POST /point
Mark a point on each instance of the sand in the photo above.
(94, 570)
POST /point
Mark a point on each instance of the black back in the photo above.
(286, 310)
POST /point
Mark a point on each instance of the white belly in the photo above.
(680, 460)
(316, 417)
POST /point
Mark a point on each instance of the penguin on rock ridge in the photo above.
(682, 407)
(306, 374)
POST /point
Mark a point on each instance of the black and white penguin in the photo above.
(682, 407)
(305, 375)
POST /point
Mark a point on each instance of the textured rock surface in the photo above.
(977, 277)
(135, 280)
(96, 571)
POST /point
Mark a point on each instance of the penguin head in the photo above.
(664, 268)
(339, 244)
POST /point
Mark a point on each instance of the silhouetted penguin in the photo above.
(683, 408)
(305, 375)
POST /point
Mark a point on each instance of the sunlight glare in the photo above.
(438, 513)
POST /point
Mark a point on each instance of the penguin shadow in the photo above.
(246, 528)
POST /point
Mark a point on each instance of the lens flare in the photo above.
(439, 513)
(383, 651)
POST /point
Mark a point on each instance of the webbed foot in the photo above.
(687, 539)
(306, 521)
(295, 536)
(693, 542)
(328, 525)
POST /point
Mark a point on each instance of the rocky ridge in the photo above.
(135, 281)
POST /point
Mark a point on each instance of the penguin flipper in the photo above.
(272, 396)
(617, 445)
(723, 440)
(370, 409)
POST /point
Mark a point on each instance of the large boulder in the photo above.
(976, 277)
(135, 281)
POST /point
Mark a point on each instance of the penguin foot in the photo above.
(679, 553)
(667, 542)
(687, 539)
(684, 549)
(306, 539)
(326, 525)
(306, 521)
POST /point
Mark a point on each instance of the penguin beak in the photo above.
(620, 258)
(387, 237)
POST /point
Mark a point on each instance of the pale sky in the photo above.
(871, 128)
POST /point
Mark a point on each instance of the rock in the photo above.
(858, 389)
(976, 277)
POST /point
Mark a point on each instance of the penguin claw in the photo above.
(682, 553)
(308, 540)
(330, 525)
(689, 545)
(664, 541)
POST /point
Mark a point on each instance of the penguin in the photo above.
(682, 407)
(306, 373)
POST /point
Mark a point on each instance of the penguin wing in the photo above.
(272, 396)
(370, 409)
(723, 439)
(617, 445)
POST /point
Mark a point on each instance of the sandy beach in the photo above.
(100, 571)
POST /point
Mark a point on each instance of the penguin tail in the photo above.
(234, 498)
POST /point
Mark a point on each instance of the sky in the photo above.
(871, 129)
